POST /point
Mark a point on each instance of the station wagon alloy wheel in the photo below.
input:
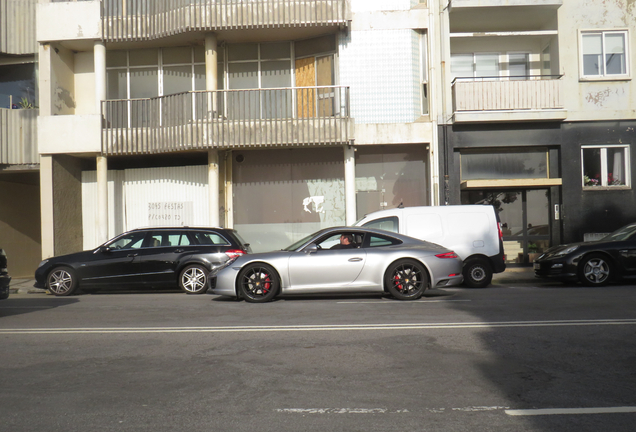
(193, 279)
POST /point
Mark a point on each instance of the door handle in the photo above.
(179, 250)
(132, 255)
(355, 259)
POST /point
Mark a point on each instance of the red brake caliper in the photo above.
(399, 286)
(267, 285)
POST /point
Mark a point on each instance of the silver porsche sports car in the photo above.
(338, 260)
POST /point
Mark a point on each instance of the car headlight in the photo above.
(565, 252)
(42, 263)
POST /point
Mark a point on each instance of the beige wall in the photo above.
(601, 99)
(62, 81)
(20, 224)
(84, 83)
(67, 199)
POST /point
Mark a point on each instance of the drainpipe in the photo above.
(350, 183)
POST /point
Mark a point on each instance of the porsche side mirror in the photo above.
(311, 248)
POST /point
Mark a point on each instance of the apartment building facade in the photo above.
(539, 116)
(280, 117)
(268, 116)
(19, 159)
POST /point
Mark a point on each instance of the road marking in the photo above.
(405, 302)
(511, 412)
(571, 411)
(335, 327)
(339, 411)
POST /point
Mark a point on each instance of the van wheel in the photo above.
(477, 273)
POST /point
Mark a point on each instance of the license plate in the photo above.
(537, 266)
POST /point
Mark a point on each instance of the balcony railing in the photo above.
(17, 27)
(507, 93)
(227, 119)
(145, 19)
(18, 136)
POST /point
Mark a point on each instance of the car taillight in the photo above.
(235, 253)
(500, 231)
(447, 255)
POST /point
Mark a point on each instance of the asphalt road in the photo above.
(524, 358)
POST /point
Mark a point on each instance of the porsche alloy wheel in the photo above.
(595, 270)
(258, 283)
(406, 279)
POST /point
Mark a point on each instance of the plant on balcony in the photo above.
(25, 104)
(533, 248)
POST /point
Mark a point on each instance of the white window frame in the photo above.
(529, 64)
(604, 167)
(604, 76)
(474, 56)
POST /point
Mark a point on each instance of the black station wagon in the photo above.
(146, 257)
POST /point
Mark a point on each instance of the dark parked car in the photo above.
(5, 279)
(592, 263)
(148, 257)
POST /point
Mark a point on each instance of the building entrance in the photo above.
(525, 220)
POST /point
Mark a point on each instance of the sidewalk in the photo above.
(515, 275)
(512, 275)
(24, 286)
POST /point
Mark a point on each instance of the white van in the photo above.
(472, 231)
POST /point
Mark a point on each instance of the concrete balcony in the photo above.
(18, 137)
(503, 100)
(300, 116)
(132, 20)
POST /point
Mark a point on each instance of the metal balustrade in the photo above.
(227, 119)
(507, 93)
(18, 136)
(145, 19)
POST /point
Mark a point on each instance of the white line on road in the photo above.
(511, 412)
(570, 411)
(335, 327)
(404, 303)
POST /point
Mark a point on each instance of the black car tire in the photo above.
(258, 283)
(406, 279)
(4, 296)
(193, 279)
(61, 281)
(595, 270)
(477, 273)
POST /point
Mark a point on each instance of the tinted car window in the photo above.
(129, 241)
(378, 241)
(386, 224)
(210, 238)
(168, 238)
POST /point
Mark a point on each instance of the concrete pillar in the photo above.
(46, 206)
(213, 185)
(229, 202)
(211, 47)
(99, 61)
(102, 199)
(350, 184)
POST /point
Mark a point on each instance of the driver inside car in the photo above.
(346, 242)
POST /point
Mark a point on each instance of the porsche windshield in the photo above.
(296, 245)
(625, 233)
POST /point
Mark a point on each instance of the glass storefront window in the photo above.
(389, 175)
(480, 166)
(281, 196)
